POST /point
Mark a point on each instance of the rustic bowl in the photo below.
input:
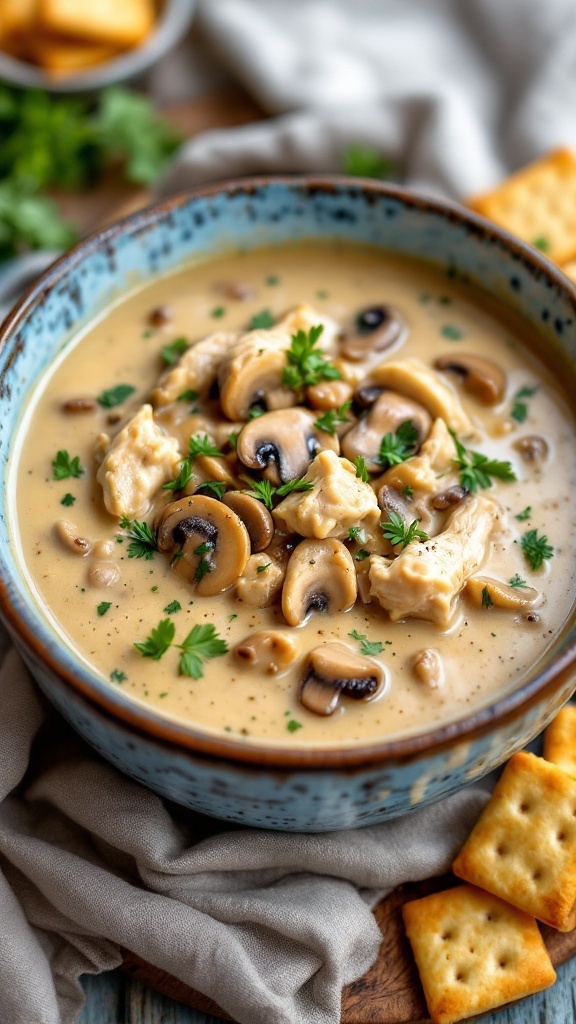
(292, 789)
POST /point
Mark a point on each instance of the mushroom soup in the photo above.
(313, 494)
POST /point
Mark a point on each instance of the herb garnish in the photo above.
(201, 644)
(397, 447)
(368, 647)
(203, 567)
(298, 484)
(159, 640)
(477, 469)
(171, 353)
(265, 491)
(262, 568)
(329, 419)
(117, 676)
(306, 365)
(519, 410)
(361, 471)
(115, 396)
(218, 312)
(396, 531)
(487, 601)
(292, 725)
(103, 607)
(63, 466)
(217, 486)
(525, 514)
(201, 444)
(517, 581)
(183, 479)
(67, 500)
(261, 321)
(173, 607)
(408, 491)
(188, 396)
(541, 243)
(361, 555)
(356, 533)
(144, 541)
(536, 548)
(451, 333)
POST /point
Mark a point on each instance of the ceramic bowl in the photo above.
(296, 790)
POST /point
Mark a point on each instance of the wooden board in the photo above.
(389, 993)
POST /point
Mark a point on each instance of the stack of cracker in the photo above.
(538, 204)
(478, 946)
(66, 36)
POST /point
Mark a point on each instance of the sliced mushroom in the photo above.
(320, 577)
(79, 405)
(252, 369)
(103, 574)
(480, 377)
(428, 667)
(333, 669)
(451, 496)
(270, 651)
(411, 377)
(70, 537)
(160, 316)
(378, 328)
(209, 542)
(502, 595)
(329, 394)
(391, 500)
(389, 411)
(254, 515)
(283, 444)
(533, 449)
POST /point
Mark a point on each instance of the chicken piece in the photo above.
(338, 500)
(257, 587)
(303, 317)
(196, 370)
(411, 377)
(422, 472)
(425, 578)
(139, 460)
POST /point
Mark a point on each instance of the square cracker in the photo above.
(523, 847)
(538, 204)
(474, 952)
(560, 740)
(113, 22)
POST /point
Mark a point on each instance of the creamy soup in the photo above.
(250, 461)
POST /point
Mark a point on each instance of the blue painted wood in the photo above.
(114, 998)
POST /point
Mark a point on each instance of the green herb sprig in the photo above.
(65, 466)
(306, 364)
(477, 469)
(536, 548)
(367, 647)
(397, 532)
(201, 644)
(327, 422)
(399, 446)
(115, 396)
(200, 444)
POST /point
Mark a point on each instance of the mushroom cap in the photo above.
(416, 380)
(389, 411)
(269, 650)
(283, 443)
(378, 329)
(501, 594)
(480, 377)
(533, 449)
(253, 368)
(320, 577)
(254, 515)
(333, 669)
(199, 522)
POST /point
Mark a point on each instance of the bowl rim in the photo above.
(190, 738)
(170, 28)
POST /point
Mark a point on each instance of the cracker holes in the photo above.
(524, 807)
(561, 837)
(536, 875)
(461, 975)
(446, 936)
(501, 850)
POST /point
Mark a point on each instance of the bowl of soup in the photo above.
(289, 492)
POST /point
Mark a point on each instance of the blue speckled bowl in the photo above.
(276, 788)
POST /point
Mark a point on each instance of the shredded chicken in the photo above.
(423, 581)
(258, 589)
(139, 460)
(338, 500)
(196, 370)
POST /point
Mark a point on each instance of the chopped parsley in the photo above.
(356, 533)
(143, 541)
(306, 365)
(64, 466)
(68, 500)
(519, 410)
(477, 469)
(408, 491)
(125, 523)
(367, 647)
(397, 447)
(264, 491)
(541, 243)
(117, 676)
(262, 568)
(233, 439)
(218, 312)
(298, 484)
(183, 479)
(525, 514)
(201, 644)
(201, 444)
(173, 607)
(536, 548)
(115, 396)
(262, 321)
(361, 555)
(329, 419)
(396, 531)
(158, 641)
(487, 601)
(292, 725)
(171, 353)
(361, 471)
(517, 581)
(256, 412)
(272, 280)
(204, 567)
(188, 396)
(218, 487)
(103, 607)
(451, 333)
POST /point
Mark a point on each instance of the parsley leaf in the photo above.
(157, 643)
(261, 321)
(519, 411)
(204, 566)
(103, 607)
(517, 581)
(201, 644)
(262, 568)
(115, 396)
(298, 484)
(477, 469)
(29, 220)
(217, 486)
(306, 365)
(536, 548)
(487, 601)
(525, 514)
(541, 243)
(218, 312)
(188, 396)
(396, 531)
(261, 489)
(64, 467)
(361, 555)
(367, 647)
(126, 126)
(451, 333)
(397, 447)
(183, 479)
(356, 533)
(292, 725)
(173, 607)
(171, 353)
(117, 676)
(201, 444)
(144, 541)
(329, 419)
(361, 471)
(68, 500)
(365, 162)
(408, 491)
